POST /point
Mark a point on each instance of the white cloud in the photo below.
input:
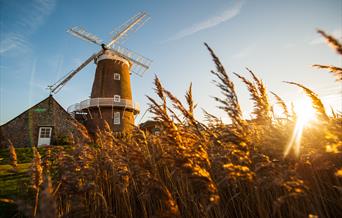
(14, 41)
(337, 33)
(24, 24)
(209, 23)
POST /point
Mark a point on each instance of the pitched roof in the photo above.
(50, 97)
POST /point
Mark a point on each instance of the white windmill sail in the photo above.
(139, 63)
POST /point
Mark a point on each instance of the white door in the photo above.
(44, 136)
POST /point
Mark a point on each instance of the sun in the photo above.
(305, 113)
(304, 110)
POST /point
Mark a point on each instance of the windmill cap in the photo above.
(110, 55)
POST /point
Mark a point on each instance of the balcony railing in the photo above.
(104, 102)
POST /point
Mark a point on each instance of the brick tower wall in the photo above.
(106, 86)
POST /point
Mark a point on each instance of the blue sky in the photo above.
(276, 39)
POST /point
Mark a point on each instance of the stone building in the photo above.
(46, 123)
(151, 126)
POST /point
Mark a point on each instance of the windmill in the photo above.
(111, 95)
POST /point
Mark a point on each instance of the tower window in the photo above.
(117, 98)
(116, 118)
(116, 76)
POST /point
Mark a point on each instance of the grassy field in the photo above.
(24, 155)
(16, 184)
(11, 185)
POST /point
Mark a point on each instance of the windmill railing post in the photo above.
(104, 102)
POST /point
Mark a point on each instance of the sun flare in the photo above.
(305, 113)
(304, 110)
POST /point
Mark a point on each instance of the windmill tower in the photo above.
(111, 95)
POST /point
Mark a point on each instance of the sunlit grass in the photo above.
(192, 170)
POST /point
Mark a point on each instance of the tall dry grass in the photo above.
(13, 156)
(192, 169)
(337, 46)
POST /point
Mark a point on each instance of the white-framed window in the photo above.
(116, 76)
(45, 132)
(116, 118)
(117, 98)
